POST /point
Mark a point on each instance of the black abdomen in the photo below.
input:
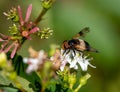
(87, 46)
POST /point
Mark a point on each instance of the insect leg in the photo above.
(64, 52)
(74, 52)
(68, 50)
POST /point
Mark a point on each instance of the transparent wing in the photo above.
(81, 33)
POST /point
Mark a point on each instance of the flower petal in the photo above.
(33, 66)
(1, 40)
(14, 50)
(30, 69)
(63, 65)
(83, 66)
(92, 65)
(3, 46)
(8, 48)
(28, 13)
(33, 30)
(20, 15)
(73, 63)
(4, 37)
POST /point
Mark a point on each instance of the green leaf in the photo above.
(4, 80)
(7, 84)
(9, 89)
(51, 87)
(25, 84)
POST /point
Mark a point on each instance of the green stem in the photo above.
(39, 18)
(21, 43)
(78, 88)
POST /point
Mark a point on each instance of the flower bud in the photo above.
(84, 79)
(47, 3)
(12, 14)
(3, 60)
(72, 80)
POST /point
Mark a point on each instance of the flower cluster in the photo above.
(19, 34)
(59, 60)
(26, 27)
(20, 31)
(12, 14)
(70, 63)
(73, 60)
(47, 3)
(45, 33)
(38, 58)
(36, 61)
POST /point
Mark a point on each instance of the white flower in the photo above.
(75, 60)
(34, 63)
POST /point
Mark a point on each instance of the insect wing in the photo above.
(81, 33)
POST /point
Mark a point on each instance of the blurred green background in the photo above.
(66, 18)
